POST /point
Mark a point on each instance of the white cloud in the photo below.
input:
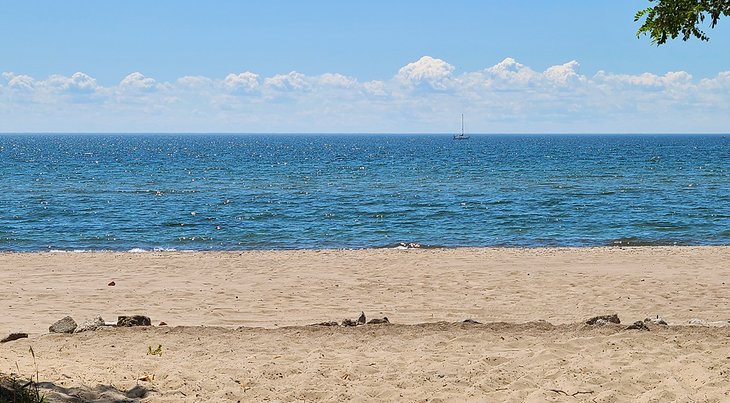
(138, 81)
(640, 80)
(678, 78)
(426, 95)
(564, 73)
(436, 73)
(78, 83)
(287, 82)
(720, 82)
(375, 87)
(19, 82)
(194, 82)
(336, 80)
(246, 82)
(511, 73)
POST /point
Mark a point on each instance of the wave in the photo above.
(141, 250)
(410, 245)
(79, 250)
(636, 241)
(105, 250)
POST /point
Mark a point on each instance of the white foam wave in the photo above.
(141, 250)
(78, 251)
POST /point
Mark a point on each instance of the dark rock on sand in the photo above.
(112, 284)
(134, 320)
(377, 321)
(603, 319)
(362, 319)
(471, 321)
(14, 336)
(331, 323)
(65, 325)
(349, 322)
(638, 325)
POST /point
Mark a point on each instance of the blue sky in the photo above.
(334, 66)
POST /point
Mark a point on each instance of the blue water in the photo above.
(200, 192)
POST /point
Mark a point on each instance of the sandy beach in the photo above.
(238, 324)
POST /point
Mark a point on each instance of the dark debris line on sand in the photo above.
(638, 325)
(580, 392)
(14, 336)
(362, 320)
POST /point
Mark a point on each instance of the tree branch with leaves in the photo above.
(672, 18)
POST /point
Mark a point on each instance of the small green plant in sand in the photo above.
(157, 351)
(12, 390)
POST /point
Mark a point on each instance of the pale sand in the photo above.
(454, 362)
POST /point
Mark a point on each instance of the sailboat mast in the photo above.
(461, 136)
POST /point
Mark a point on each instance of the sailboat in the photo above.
(461, 136)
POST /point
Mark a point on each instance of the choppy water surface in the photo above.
(199, 192)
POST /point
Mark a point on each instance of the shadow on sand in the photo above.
(97, 394)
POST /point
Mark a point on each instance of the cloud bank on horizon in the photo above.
(425, 96)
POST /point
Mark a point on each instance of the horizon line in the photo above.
(365, 133)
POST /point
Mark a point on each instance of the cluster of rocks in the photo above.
(362, 320)
(68, 325)
(603, 320)
(653, 320)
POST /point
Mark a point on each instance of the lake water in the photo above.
(230, 192)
